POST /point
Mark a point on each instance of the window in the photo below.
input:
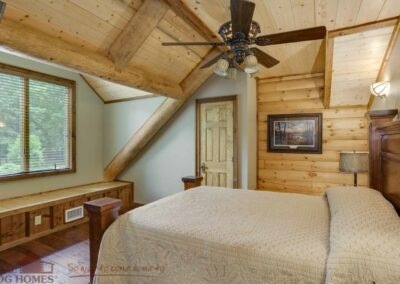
(36, 124)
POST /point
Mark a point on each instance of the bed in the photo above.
(217, 235)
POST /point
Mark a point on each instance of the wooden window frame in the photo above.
(236, 161)
(71, 85)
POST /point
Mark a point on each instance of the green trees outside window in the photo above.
(35, 125)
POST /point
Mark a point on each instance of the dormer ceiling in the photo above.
(110, 92)
(357, 59)
(95, 26)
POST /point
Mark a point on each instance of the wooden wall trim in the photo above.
(157, 121)
(288, 78)
(137, 31)
(27, 40)
(236, 159)
(329, 42)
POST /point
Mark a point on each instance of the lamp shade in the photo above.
(354, 162)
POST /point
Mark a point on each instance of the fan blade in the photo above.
(247, 16)
(212, 61)
(236, 15)
(294, 36)
(263, 58)
(193, 43)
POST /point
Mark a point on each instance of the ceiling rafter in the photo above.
(28, 40)
(137, 31)
(157, 121)
(185, 13)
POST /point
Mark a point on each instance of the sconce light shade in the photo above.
(2, 124)
(380, 89)
(221, 67)
(251, 64)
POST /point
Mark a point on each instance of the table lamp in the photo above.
(354, 162)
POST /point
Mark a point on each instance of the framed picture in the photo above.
(295, 133)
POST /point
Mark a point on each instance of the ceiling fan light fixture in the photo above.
(232, 73)
(221, 67)
(251, 64)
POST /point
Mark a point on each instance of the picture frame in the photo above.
(295, 133)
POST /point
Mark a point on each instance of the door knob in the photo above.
(203, 168)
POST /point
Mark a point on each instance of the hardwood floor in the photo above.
(62, 257)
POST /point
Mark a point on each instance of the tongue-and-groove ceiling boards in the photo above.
(94, 25)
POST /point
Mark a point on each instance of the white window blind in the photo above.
(35, 125)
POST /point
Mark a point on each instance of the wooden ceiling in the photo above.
(110, 92)
(95, 26)
(357, 59)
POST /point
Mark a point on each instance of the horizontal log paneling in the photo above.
(344, 129)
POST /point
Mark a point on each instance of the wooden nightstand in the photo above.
(192, 181)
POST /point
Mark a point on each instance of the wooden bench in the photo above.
(17, 215)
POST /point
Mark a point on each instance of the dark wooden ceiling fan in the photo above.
(241, 32)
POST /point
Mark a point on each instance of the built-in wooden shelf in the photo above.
(17, 215)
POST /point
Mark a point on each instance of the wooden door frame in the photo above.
(236, 161)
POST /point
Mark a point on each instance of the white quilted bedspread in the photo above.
(215, 235)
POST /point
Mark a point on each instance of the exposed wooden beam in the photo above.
(329, 42)
(157, 120)
(363, 27)
(137, 31)
(386, 58)
(27, 40)
(186, 13)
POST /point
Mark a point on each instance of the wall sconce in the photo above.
(2, 124)
(380, 89)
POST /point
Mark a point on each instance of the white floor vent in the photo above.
(73, 214)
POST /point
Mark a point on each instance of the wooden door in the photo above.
(216, 142)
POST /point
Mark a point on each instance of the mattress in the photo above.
(217, 235)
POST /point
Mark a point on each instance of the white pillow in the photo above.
(364, 237)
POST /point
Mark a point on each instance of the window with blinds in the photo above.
(36, 123)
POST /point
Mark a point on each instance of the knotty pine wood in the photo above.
(47, 222)
(136, 31)
(357, 59)
(17, 214)
(344, 129)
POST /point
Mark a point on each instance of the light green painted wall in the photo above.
(158, 171)
(89, 134)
